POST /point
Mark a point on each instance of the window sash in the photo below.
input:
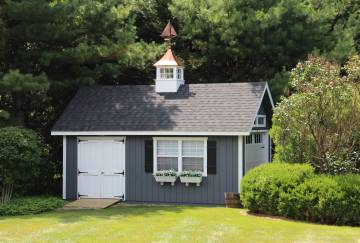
(180, 154)
(167, 148)
(166, 73)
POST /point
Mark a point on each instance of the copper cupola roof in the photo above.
(169, 59)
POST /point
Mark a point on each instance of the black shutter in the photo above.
(211, 157)
(149, 156)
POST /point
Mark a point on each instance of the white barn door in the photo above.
(256, 150)
(101, 168)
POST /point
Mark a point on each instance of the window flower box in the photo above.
(164, 176)
(188, 177)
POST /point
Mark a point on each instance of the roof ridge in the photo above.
(134, 85)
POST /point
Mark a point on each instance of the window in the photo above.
(257, 138)
(248, 139)
(180, 154)
(260, 121)
(179, 73)
(166, 73)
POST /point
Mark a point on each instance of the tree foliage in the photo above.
(246, 39)
(23, 165)
(64, 44)
(320, 123)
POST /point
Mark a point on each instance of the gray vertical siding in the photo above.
(71, 167)
(141, 186)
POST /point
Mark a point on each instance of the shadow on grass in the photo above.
(115, 212)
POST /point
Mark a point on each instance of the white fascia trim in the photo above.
(267, 89)
(240, 159)
(64, 168)
(151, 133)
(269, 93)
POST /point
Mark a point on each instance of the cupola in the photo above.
(169, 69)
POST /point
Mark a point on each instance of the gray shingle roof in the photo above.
(217, 107)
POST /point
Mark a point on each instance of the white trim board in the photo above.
(64, 169)
(150, 133)
(240, 160)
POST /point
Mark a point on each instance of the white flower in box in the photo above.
(163, 176)
(188, 177)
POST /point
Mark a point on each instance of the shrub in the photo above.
(30, 205)
(22, 161)
(263, 186)
(275, 189)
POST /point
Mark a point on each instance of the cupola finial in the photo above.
(168, 33)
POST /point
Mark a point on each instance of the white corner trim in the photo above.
(64, 168)
(240, 160)
(144, 133)
(124, 159)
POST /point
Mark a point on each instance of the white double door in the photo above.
(101, 168)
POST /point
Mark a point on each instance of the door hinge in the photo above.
(81, 172)
(120, 140)
(120, 173)
(122, 197)
(80, 195)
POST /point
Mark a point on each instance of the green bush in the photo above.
(30, 205)
(329, 199)
(294, 191)
(263, 186)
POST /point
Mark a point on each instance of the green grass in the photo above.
(166, 224)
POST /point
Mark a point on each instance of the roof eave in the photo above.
(149, 133)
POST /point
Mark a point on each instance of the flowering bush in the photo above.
(320, 122)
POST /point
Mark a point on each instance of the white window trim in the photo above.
(256, 121)
(180, 140)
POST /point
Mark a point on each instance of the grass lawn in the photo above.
(166, 224)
